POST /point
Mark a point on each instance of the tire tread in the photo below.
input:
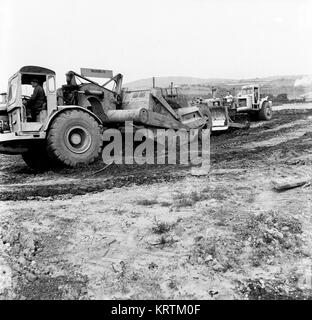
(56, 126)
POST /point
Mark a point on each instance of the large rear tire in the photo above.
(74, 138)
(266, 112)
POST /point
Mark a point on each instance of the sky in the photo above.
(232, 39)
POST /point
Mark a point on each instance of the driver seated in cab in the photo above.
(37, 101)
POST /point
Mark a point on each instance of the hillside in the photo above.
(292, 85)
(166, 81)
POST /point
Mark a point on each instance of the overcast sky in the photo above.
(144, 38)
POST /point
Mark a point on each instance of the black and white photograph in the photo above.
(155, 151)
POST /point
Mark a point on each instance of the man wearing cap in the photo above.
(37, 100)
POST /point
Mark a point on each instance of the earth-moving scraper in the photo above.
(249, 100)
(223, 116)
(245, 105)
(69, 128)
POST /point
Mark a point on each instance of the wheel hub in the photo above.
(78, 139)
(75, 139)
(268, 111)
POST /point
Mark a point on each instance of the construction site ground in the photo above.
(157, 232)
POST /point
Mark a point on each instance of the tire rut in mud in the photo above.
(85, 185)
(264, 154)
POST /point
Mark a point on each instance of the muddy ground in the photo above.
(157, 232)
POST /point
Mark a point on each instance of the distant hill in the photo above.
(166, 82)
(292, 85)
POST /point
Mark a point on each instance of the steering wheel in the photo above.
(26, 99)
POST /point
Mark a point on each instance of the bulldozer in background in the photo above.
(223, 115)
(236, 112)
(248, 100)
(69, 129)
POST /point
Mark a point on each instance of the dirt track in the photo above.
(158, 232)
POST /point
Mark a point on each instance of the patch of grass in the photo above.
(269, 234)
(147, 202)
(161, 227)
(188, 199)
(219, 252)
(206, 246)
(199, 196)
(220, 193)
(221, 216)
(56, 288)
(270, 225)
(120, 211)
(166, 241)
(179, 195)
(276, 289)
(182, 199)
(165, 204)
(221, 222)
(173, 284)
(184, 203)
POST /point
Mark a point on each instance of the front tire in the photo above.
(74, 138)
(266, 112)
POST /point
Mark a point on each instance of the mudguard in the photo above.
(62, 109)
(266, 99)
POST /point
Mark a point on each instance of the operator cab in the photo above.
(19, 89)
(250, 92)
(246, 90)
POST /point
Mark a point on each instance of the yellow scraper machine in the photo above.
(70, 126)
